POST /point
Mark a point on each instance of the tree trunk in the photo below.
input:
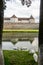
(41, 34)
(1, 28)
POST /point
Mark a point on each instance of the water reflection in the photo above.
(7, 45)
(21, 45)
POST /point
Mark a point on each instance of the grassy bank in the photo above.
(18, 58)
(27, 31)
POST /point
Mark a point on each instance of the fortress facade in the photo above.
(20, 23)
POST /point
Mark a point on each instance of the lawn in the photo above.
(18, 58)
(27, 30)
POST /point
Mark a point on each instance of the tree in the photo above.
(27, 2)
(2, 7)
(41, 34)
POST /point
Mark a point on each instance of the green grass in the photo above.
(27, 30)
(18, 58)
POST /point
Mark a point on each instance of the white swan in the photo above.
(35, 56)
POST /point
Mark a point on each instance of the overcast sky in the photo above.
(16, 8)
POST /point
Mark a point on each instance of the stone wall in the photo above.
(9, 25)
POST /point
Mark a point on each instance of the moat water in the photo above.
(20, 44)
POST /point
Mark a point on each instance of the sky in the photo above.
(15, 7)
